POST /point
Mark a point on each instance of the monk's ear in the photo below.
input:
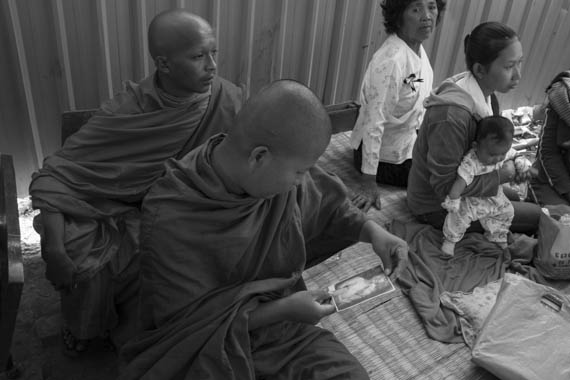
(161, 63)
(258, 156)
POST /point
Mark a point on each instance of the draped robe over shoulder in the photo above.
(100, 175)
(203, 252)
(114, 158)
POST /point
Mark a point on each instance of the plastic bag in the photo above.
(527, 333)
(553, 252)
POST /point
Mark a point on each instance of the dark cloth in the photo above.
(388, 174)
(449, 127)
(122, 149)
(204, 254)
(98, 178)
(476, 262)
(552, 185)
(107, 299)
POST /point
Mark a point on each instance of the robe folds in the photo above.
(208, 258)
(99, 177)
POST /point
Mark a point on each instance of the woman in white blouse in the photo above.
(397, 79)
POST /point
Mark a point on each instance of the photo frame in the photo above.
(364, 286)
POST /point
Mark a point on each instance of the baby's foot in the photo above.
(448, 248)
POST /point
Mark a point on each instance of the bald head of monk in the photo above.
(183, 47)
(278, 136)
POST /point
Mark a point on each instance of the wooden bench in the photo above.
(11, 265)
(343, 116)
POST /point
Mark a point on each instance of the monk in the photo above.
(89, 192)
(223, 245)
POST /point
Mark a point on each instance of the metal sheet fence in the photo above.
(72, 54)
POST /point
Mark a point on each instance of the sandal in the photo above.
(72, 346)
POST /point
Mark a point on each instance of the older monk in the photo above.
(223, 245)
(89, 191)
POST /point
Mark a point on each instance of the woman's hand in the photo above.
(367, 194)
(308, 306)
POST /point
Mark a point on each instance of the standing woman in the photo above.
(493, 54)
(397, 80)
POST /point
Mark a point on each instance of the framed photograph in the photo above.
(359, 288)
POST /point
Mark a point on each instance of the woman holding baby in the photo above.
(493, 54)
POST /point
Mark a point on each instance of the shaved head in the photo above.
(278, 136)
(285, 116)
(183, 47)
(174, 30)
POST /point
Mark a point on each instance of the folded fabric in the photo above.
(472, 308)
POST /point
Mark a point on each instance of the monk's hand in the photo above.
(393, 252)
(270, 284)
(308, 306)
(60, 269)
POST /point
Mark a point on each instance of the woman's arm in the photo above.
(382, 96)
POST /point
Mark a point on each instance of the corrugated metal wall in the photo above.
(72, 54)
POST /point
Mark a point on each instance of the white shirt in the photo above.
(391, 109)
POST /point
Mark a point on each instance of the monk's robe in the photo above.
(98, 178)
(203, 253)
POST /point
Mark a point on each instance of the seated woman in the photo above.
(397, 80)
(552, 186)
(493, 54)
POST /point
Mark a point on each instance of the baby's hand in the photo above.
(524, 170)
(451, 205)
(526, 176)
(522, 164)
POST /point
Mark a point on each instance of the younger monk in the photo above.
(89, 191)
(223, 245)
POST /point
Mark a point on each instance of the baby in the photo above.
(490, 150)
